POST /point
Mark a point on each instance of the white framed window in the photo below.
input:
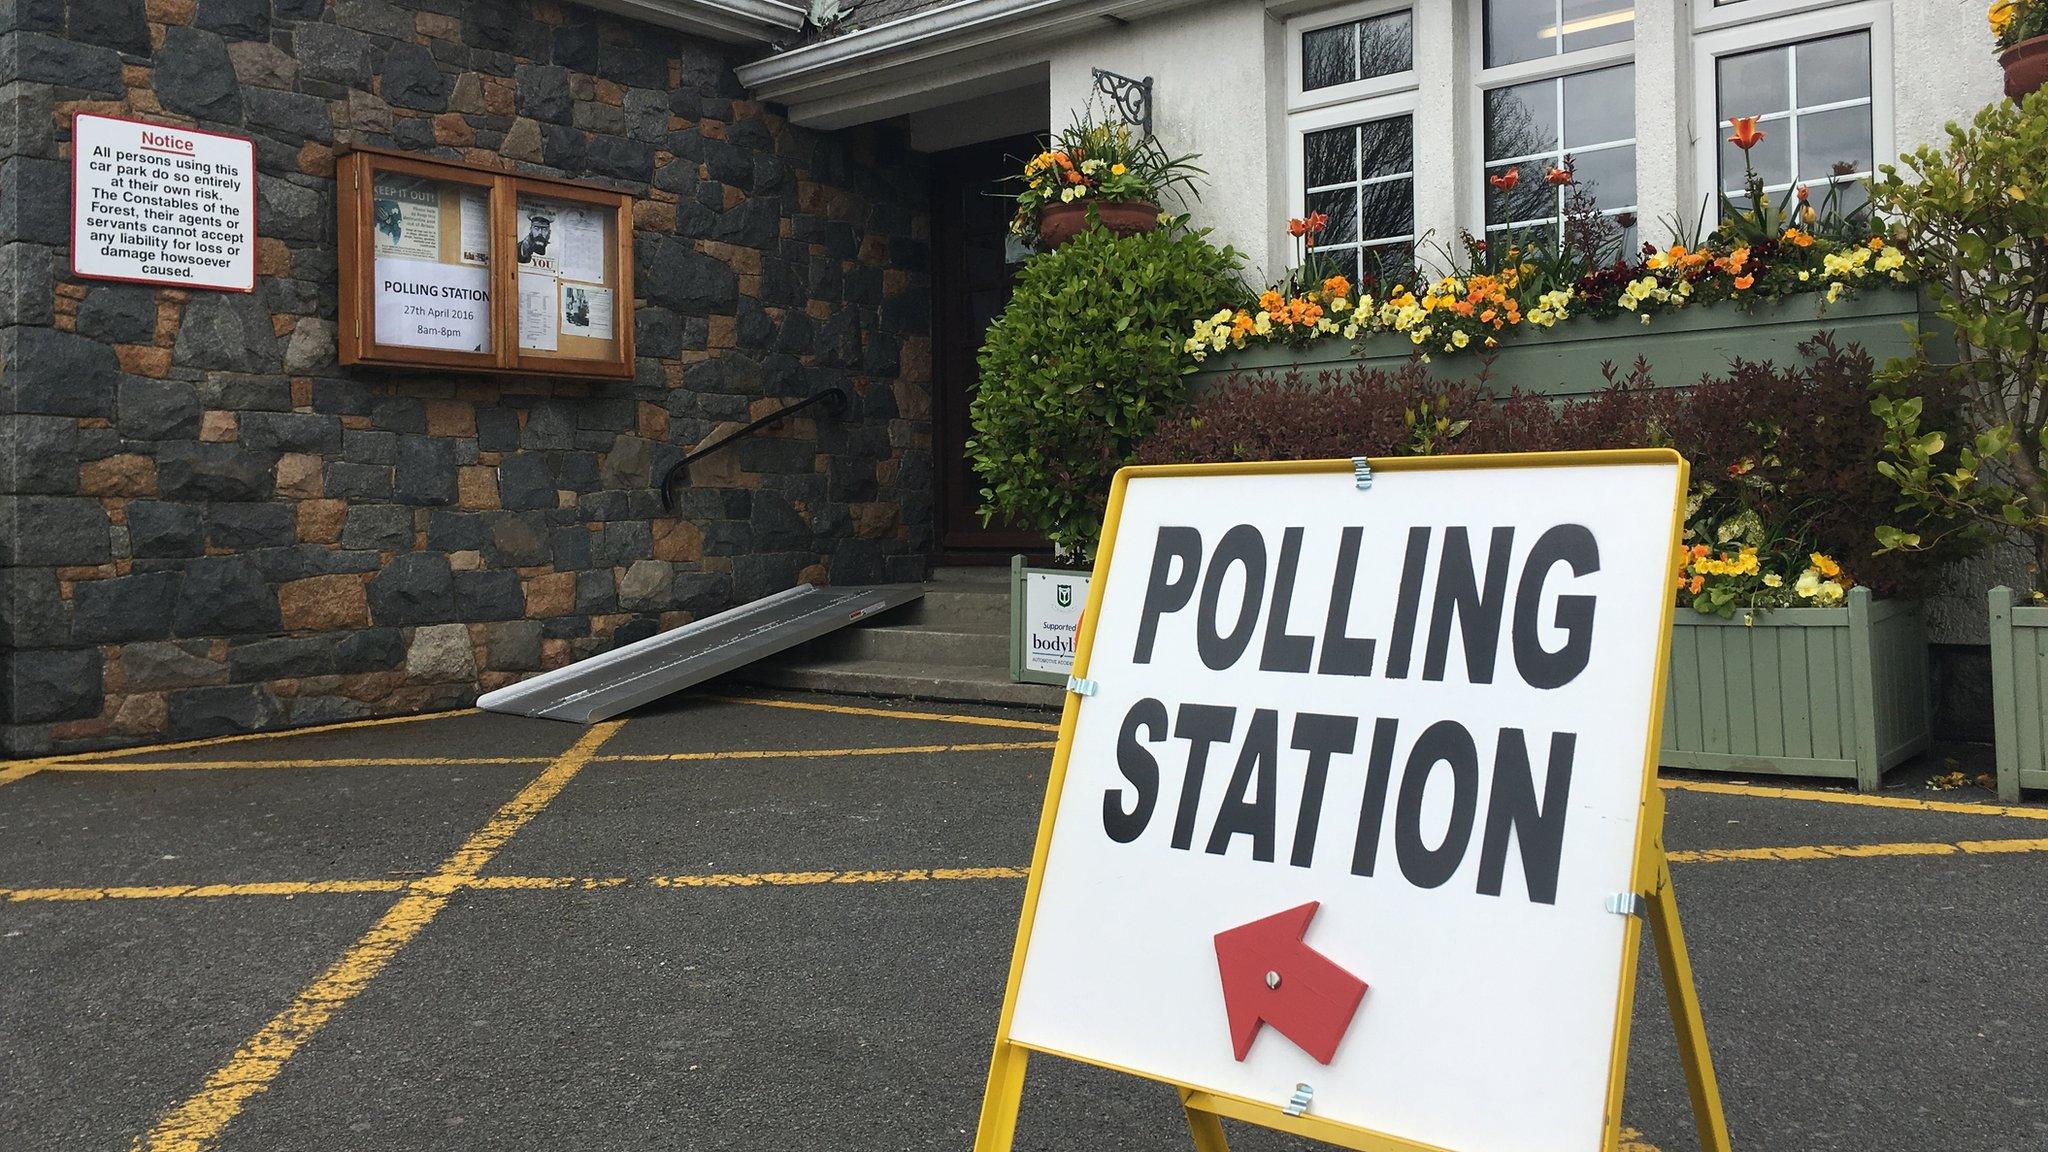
(1817, 77)
(1557, 86)
(1351, 135)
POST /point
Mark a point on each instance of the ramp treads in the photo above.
(604, 686)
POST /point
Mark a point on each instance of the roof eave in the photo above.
(732, 21)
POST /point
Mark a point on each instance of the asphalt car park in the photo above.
(781, 922)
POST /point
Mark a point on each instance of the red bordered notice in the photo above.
(154, 204)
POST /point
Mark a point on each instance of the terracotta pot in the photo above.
(1059, 223)
(2026, 66)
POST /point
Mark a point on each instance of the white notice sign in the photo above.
(422, 304)
(1052, 619)
(162, 205)
(1360, 774)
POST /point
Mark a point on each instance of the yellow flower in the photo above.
(1825, 565)
(2001, 16)
(1116, 169)
(1773, 580)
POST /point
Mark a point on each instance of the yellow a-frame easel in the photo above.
(1652, 887)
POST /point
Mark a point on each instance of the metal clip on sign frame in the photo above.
(1651, 899)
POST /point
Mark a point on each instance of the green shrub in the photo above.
(1977, 216)
(1076, 370)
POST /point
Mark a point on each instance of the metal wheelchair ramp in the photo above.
(605, 685)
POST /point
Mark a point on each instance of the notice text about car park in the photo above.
(162, 204)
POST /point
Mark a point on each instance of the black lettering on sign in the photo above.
(1257, 761)
(1244, 546)
(1283, 651)
(1444, 742)
(1165, 592)
(1321, 737)
(1344, 654)
(1372, 807)
(1511, 810)
(1478, 612)
(1573, 545)
(1202, 726)
(1140, 768)
(1407, 602)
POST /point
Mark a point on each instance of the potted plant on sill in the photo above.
(1978, 212)
(2021, 29)
(1097, 174)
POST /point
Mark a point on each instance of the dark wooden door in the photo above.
(974, 265)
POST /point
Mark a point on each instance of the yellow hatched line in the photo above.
(813, 753)
(13, 772)
(463, 761)
(200, 891)
(241, 737)
(892, 714)
(1855, 799)
(1859, 851)
(198, 1123)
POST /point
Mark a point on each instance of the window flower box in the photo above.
(1565, 360)
(2019, 692)
(1837, 692)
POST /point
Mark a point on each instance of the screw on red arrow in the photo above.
(1270, 976)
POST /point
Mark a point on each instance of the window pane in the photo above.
(1609, 176)
(1331, 156)
(1387, 209)
(1514, 30)
(1329, 56)
(1772, 157)
(1828, 139)
(1753, 83)
(1388, 147)
(1521, 120)
(1851, 196)
(1837, 68)
(1589, 23)
(1341, 207)
(1531, 199)
(1599, 106)
(1386, 45)
(1391, 263)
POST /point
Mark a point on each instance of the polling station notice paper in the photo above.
(161, 205)
(1360, 772)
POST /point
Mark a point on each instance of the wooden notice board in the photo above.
(454, 266)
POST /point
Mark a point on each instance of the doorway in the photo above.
(975, 262)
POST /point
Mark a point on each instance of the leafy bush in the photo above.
(1079, 366)
(1783, 458)
(1978, 215)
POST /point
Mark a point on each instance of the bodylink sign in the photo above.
(1348, 821)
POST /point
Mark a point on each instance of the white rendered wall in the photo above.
(1219, 76)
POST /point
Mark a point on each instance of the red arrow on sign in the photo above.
(1271, 977)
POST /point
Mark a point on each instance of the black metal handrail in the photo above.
(834, 398)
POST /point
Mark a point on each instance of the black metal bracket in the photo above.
(834, 399)
(1133, 98)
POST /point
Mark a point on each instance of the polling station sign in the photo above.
(1357, 766)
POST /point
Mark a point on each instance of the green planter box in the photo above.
(1565, 360)
(1836, 692)
(2019, 693)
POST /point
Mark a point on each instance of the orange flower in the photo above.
(1746, 134)
(1507, 180)
(1270, 301)
(1699, 551)
(1312, 225)
(1337, 287)
(1803, 194)
(1877, 243)
(1742, 283)
(1563, 175)
(1241, 324)
(1698, 582)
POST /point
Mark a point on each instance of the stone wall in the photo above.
(211, 526)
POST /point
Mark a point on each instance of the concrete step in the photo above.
(915, 681)
(913, 644)
(977, 574)
(958, 608)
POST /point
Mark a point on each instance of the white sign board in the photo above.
(161, 205)
(1052, 619)
(1427, 708)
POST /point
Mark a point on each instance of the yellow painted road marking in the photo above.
(802, 879)
(1859, 851)
(1818, 796)
(13, 772)
(814, 753)
(181, 891)
(338, 762)
(240, 737)
(853, 710)
(198, 1122)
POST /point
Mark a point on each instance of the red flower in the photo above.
(1507, 180)
(1563, 175)
(1746, 136)
(1803, 194)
